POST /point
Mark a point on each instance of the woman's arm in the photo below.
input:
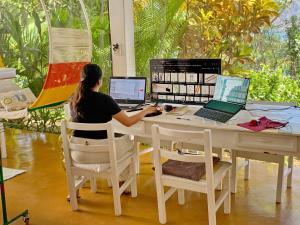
(130, 120)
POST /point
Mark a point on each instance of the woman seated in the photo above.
(90, 106)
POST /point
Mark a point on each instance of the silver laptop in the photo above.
(128, 92)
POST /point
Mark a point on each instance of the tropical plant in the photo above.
(225, 29)
(159, 26)
(273, 85)
(293, 35)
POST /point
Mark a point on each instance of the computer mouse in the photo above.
(157, 113)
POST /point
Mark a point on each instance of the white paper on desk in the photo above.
(242, 116)
(179, 111)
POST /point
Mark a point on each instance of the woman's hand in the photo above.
(150, 109)
(126, 120)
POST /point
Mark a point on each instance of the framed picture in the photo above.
(182, 89)
(167, 77)
(197, 99)
(201, 79)
(197, 89)
(190, 89)
(174, 77)
(170, 97)
(181, 77)
(204, 90)
(161, 77)
(189, 98)
(162, 97)
(155, 77)
(210, 78)
(180, 98)
(162, 88)
(212, 90)
(191, 78)
(204, 99)
(176, 88)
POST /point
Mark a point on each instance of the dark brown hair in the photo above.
(90, 75)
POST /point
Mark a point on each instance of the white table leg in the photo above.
(3, 141)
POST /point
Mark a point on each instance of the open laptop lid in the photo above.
(230, 94)
(128, 90)
(232, 89)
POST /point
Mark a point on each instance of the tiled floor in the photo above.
(42, 189)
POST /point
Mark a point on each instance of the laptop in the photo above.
(128, 92)
(230, 97)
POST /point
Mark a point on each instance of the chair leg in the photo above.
(133, 185)
(181, 198)
(290, 166)
(233, 172)
(161, 204)
(227, 201)
(211, 203)
(247, 169)
(280, 181)
(93, 182)
(220, 155)
(116, 196)
(72, 192)
(137, 157)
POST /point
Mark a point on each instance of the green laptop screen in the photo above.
(223, 106)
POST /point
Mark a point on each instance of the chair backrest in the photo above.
(200, 138)
(107, 146)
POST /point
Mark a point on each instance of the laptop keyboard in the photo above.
(213, 115)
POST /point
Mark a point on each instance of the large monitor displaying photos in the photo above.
(188, 81)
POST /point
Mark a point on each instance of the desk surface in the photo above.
(275, 112)
(284, 141)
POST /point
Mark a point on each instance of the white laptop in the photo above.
(128, 92)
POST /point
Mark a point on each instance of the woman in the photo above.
(90, 106)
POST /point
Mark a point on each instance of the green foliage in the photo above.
(293, 34)
(273, 85)
(42, 120)
(159, 26)
(239, 32)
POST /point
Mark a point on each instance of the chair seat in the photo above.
(102, 167)
(187, 170)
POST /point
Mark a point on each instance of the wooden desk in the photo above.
(284, 141)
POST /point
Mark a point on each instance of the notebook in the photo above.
(230, 96)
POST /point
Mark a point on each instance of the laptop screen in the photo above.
(231, 89)
(129, 90)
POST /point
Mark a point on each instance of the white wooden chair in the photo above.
(283, 171)
(205, 185)
(110, 170)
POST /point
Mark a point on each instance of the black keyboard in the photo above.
(213, 115)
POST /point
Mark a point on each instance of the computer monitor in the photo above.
(231, 89)
(128, 90)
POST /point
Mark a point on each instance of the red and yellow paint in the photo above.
(61, 82)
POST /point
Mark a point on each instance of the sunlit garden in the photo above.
(255, 39)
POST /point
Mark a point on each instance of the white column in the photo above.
(122, 37)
